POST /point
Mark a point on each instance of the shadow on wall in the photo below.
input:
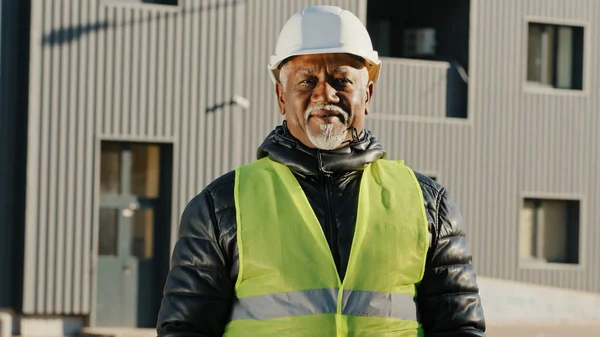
(64, 35)
(67, 35)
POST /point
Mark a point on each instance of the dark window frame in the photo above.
(162, 2)
(167, 5)
(577, 54)
(573, 227)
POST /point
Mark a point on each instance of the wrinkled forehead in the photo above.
(314, 63)
(351, 60)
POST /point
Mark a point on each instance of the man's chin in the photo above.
(327, 124)
(325, 120)
(328, 139)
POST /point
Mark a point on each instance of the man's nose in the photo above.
(325, 93)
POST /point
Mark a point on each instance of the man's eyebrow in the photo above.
(307, 71)
(340, 70)
(310, 71)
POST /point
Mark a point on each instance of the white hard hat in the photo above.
(324, 30)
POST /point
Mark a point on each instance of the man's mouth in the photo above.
(328, 115)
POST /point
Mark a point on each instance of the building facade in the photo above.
(132, 107)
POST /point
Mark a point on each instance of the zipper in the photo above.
(330, 225)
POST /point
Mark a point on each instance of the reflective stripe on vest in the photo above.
(288, 282)
(324, 301)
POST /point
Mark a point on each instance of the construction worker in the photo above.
(322, 236)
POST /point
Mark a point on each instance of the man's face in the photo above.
(323, 97)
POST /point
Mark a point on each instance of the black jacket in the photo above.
(199, 293)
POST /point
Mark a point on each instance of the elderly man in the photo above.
(322, 236)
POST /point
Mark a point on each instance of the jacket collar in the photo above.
(282, 147)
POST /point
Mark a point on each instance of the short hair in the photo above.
(284, 61)
(360, 60)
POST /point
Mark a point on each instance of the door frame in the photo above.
(163, 213)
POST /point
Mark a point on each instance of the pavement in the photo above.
(563, 330)
(117, 332)
(512, 309)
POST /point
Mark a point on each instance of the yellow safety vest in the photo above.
(288, 284)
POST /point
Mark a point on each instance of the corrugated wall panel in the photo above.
(219, 53)
(183, 33)
(51, 210)
(176, 68)
(135, 73)
(136, 78)
(64, 298)
(538, 140)
(209, 131)
(53, 149)
(78, 192)
(411, 87)
(192, 104)
(147, 74)
(84, 84)
(96, 101)
(591, 139)
(515, 142)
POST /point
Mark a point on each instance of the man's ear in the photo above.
(369, 96)
(280, 99)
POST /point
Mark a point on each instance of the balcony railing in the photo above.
(410, 87)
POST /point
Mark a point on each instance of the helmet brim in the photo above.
(372, 61)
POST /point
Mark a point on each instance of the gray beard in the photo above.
(328, 138)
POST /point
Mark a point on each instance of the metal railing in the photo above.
(411, 87)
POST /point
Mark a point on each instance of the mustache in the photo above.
(326, 107)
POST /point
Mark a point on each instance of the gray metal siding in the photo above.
(552, 147)
(516, 142)
(411, 88)
(105, 70)
(110, 70)
(85, 86)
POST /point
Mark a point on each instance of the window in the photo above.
(129, 193)
(107, 237)
(150, 2)
(436, 30)
(555, 56)
(549, 231)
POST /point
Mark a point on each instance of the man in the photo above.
(321, 236)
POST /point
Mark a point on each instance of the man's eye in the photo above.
(342, 80)
(306, 83)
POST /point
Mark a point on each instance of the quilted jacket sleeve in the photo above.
(448, 296)
(198, 293)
